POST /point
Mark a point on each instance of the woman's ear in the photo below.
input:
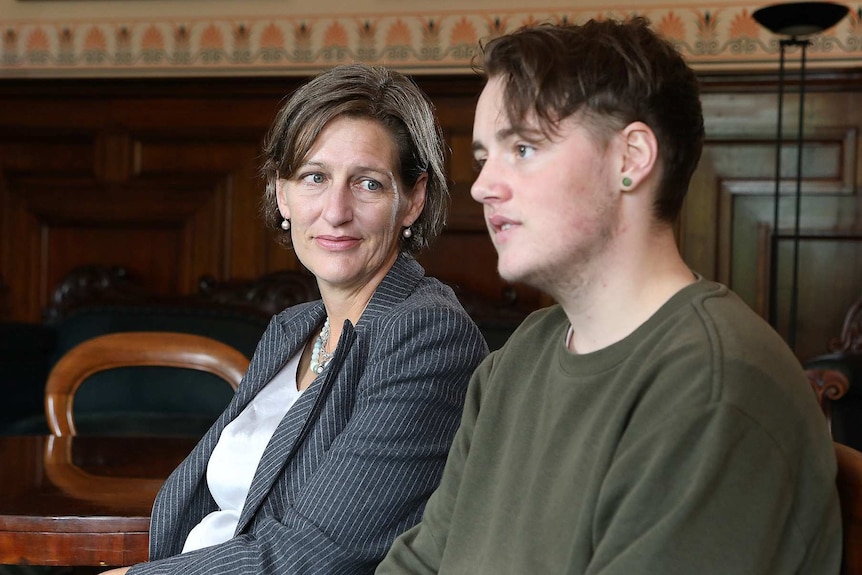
(416, 201)
(280, 197)
(640, 156)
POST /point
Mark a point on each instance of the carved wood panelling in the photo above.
(170, 232)
(163, 176)
(728, 218)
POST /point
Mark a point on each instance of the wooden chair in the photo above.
(844, 356)
(128, 349)
(98, 489)
(830, 385)
(850, 493)
(850, 340)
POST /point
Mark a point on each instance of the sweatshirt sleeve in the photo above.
(685, 497)
(420, 550)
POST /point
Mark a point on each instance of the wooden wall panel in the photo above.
(727, 223)
(162, 176)
(152, 251)
(167, 232)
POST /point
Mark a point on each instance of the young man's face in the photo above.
(551, 205)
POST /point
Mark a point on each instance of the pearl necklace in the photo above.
(319, 356)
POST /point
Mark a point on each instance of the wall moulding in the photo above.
(711, 37)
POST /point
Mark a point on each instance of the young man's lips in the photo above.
(500, 224)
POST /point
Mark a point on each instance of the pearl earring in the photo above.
(285, 224)
(407, 233)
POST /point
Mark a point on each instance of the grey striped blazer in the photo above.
(354, 460)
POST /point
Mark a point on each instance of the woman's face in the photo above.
(347, 205)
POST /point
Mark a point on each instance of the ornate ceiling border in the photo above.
(714, 38)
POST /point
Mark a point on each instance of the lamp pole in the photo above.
(794, 20)
(776, 218)
(794, 289)
(776, 199)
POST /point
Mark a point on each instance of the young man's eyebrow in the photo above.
(503, 134)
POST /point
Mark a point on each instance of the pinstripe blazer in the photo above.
(353, 461)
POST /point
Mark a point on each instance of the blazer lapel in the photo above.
(276, 347)
(289, 332)
(395, 287)
(293, 428)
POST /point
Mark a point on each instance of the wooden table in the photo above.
(81, 500)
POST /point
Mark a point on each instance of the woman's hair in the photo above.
(362, 91)
(612, 74)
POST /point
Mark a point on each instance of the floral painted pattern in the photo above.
(710, 37)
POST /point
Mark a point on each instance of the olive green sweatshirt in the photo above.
(694, 445)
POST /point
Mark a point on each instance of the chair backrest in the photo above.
(829, 385)
(849, 482)
(95, 300)
(850, 340)
(128, 349)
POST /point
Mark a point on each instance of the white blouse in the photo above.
(234, 460)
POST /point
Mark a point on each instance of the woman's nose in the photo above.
(339, 204)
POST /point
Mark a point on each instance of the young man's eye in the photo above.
(525, 151)
(478, 164)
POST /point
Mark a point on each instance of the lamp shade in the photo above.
(800, 18)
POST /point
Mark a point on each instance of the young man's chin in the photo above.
(512, 274)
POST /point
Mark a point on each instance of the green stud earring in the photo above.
(627, 181)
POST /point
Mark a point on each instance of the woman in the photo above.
(340, 429)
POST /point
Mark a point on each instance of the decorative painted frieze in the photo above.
(710, 37)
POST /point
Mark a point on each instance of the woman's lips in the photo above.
(336, 243)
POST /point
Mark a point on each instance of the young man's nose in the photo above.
(489, 184)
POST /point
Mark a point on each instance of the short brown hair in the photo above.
(374, 92)
(613, 73)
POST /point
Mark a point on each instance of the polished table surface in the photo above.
(81, 500)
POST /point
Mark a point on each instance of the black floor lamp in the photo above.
(795, 22)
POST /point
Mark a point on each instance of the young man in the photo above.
(650, 423)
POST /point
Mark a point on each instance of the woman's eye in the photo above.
(315, 178)
(371, 185)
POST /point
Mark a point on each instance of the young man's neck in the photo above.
(624, 291)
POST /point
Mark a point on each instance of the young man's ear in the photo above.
(640, 156)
